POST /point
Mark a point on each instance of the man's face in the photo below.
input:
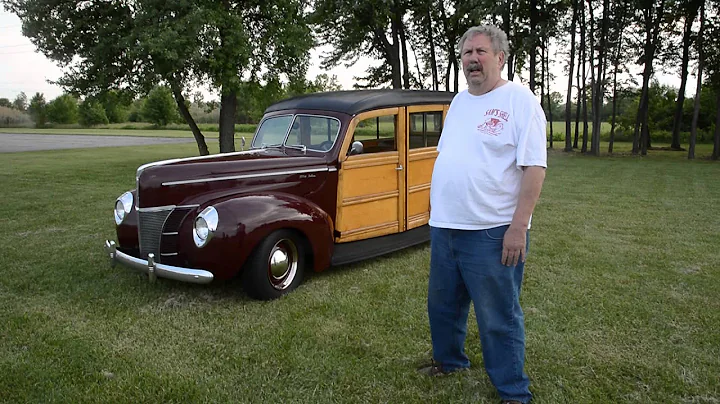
(480, 62)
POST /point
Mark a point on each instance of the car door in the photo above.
(371, 185)
(423, 127)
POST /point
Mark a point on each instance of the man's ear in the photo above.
(501, 59)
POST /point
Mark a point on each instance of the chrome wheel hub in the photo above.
(282, 264)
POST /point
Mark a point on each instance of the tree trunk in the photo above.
(571, 65)
(447, 77)
(583, 51)
(579, 102)
(395, 56)
(639, 143)
(533, 43)
(456, 72)
(687, 36)
(701, 64)
(615, 95)
(639, 120)
(716, 143)
(403, 44)
(600, 83)
(433, 60)
(197, 134)
(228, 107)
(549, 98)
(593, 79)
(507, 27)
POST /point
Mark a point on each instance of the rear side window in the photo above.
(425, 129)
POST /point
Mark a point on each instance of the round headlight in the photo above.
(123, 205)
(201, 228)
(205, 225)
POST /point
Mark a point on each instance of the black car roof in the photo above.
(356, 101)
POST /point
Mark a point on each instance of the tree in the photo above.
(21, 102)
(650, 22)
(620, 15)
(4, 102)
(362, 28)
(711, 44)
(688, 9)
(92, 113)
(159, 107)
(137, 45)
(571, 65)
(63, 109)
(698, 91)
(37, 109)
(599, 88)
(116, 105)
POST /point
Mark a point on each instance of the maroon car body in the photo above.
(272, 208)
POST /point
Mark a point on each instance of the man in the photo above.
(486, 181)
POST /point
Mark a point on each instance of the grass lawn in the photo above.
(620, 296)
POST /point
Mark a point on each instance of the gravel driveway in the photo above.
(15, 142)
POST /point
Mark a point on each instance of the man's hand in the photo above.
(514, 246)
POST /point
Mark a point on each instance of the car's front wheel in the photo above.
(275, 267)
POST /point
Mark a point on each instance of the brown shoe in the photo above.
(435, 369)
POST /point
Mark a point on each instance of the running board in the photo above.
(345, 253)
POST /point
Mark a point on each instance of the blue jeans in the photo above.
(465, 266)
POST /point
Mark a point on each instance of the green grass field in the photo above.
(621, 299)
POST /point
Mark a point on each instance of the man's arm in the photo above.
(515, 237)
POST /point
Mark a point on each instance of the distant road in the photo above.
(16, 142)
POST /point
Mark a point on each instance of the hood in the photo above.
(172, 182)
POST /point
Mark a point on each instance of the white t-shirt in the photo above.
(485, 142)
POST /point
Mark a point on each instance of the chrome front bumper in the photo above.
(155, 270)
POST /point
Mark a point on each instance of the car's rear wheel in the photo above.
(276, 267)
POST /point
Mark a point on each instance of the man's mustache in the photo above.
(474, 66)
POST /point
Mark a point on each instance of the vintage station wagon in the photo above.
(330, 178)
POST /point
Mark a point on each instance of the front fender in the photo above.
(246, 220)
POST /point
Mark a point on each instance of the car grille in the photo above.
(150, 225)
(153, 224)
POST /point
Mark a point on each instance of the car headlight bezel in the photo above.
(123, 206)
(204, 226)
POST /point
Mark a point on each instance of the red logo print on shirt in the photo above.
(493, 125)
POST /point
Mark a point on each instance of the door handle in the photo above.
(399, 168)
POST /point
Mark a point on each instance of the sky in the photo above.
(22, 68)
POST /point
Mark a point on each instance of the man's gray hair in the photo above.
(497, 37)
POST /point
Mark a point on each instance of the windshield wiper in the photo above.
(274, 146)
(300, 147)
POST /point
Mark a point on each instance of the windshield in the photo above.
(309, 131)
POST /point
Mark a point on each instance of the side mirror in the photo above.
(356, 148)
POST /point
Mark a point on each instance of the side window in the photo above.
(425, 129)
(377, 134)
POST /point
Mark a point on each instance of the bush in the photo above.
(92, 113)
(38, 109)
(63, 110)
(12, 118)
(160, 108)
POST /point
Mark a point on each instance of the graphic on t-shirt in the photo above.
(493, 125)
